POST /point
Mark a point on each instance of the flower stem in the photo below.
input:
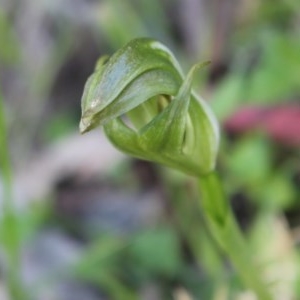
(9, 219)
(222, 225)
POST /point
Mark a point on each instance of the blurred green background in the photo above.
(81, 221)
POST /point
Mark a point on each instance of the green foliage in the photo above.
(157, 252)
(9, 50)
(10, 236)
(277, 75)
(274, 80)
(250, 160)
(61, 125)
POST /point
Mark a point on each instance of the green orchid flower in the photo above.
(148, 110)
(143, 83)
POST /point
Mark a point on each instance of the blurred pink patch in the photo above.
(244, 119)
(281, 123)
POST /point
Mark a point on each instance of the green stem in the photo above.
(222, 224)
(9, 221)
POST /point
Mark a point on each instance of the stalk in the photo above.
(9, 220)
(222, 224)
